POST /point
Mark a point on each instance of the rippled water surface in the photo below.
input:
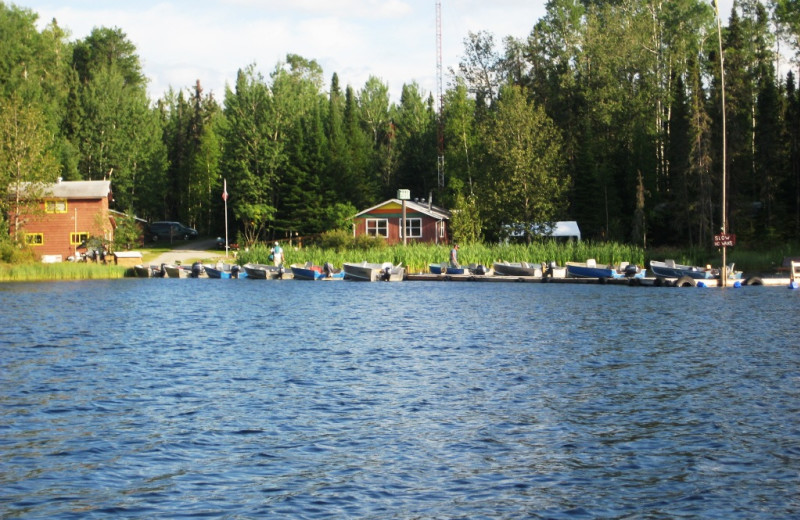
(255, 399)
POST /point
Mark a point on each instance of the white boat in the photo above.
(266, 272)
(370, 272)
(176, 271)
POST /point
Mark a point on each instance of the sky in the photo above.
(181, 41)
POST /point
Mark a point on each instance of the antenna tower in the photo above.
(440, 129)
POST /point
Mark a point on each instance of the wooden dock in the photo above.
(635, 282)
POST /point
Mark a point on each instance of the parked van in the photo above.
(165, 230)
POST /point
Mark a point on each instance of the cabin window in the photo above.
(441, 228)
(413, 227)
(55, 206)
(34, 239)
(378, 227)
(77, 239)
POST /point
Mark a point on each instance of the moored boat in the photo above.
(310, 271)
(143, 271)
(669, 269)
(265, 272)
(590, 269)
(372, 272)
(517, 269)
(175, 271)
(222, 270)
(446, 268)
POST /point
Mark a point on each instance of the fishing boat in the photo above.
(446, 268)
(590, 269)
(176, 271)
(372, 272)
(266, 272)
(143, 271)
(517, 269)
(222, 270)
(310, 271)
(669, 269)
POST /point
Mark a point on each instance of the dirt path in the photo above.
(187, 252)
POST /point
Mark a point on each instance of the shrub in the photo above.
(366, 242)
(338, 240)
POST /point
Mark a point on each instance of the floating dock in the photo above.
(635, 282)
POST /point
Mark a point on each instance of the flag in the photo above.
(225, 190)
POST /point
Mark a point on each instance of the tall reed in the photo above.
(57, 272)
(417, 257)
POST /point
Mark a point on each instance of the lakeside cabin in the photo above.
(70, 213)
(424, 222)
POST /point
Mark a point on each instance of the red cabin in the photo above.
(424, 222)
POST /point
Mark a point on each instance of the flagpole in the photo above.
(225, 198)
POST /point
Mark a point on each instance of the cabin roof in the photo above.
(418, 207)
(78, 189)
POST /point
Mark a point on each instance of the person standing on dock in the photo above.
(277, 254)
(454, 256)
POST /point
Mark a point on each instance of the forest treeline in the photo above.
(608, 113)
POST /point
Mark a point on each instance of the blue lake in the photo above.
(162, 398)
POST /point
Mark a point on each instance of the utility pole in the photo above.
(724, 270)
(440, 126)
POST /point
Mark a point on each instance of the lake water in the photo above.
(159, 398)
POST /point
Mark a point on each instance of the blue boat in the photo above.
(669, 269)
(445, 268)
(590, 269)
(225, 271)
(316, 272)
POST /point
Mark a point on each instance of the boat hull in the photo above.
(368, 272)
(176, 271)
(315, 272)
(265, 272)
(661, 269)
(516, 269)
(228, 271)
(446, 269)
(582, 270)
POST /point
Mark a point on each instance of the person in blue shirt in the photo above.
(277, 254)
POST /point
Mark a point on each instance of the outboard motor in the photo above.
(327, 269)
(386, 274)
(235, 271)
(631, 270)
(481, 269)
(281, 271)
(161, 272)
(549, 271)
(197, 269)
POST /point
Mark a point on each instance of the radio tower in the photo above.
(440, 129)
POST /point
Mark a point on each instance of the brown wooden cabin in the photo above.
(424, 222)
(71, 212)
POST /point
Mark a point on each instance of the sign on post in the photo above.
(726, 240)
